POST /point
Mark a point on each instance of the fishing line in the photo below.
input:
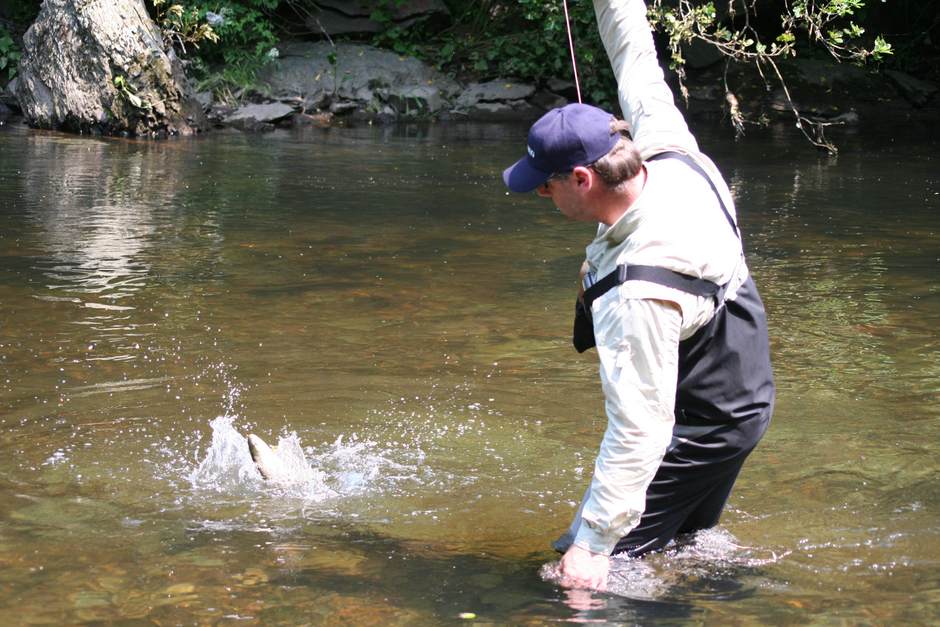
(574, 63)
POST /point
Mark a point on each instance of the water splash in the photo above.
(363, 465)
(709, 561)
(227, 466)
(227, 462)
(716, 548)
(347, 467)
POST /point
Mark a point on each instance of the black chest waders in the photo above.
(724, 399)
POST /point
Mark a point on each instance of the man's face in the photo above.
(567, 194)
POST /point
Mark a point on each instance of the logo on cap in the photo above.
(568, 137)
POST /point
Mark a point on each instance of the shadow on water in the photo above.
(347, 566)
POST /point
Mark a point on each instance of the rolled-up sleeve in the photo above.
(637, 342)
(645, 98)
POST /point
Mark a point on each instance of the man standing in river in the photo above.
(679, 327)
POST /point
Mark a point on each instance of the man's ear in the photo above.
(583, 177)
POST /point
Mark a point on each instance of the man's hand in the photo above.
(585, 268)
(582, 569)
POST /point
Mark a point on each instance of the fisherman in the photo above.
(679, 327)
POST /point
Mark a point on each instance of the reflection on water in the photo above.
(373, 299)
(92, 222)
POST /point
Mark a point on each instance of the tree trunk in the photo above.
(99, 66)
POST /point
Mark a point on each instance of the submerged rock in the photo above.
(914, 90)
(698, 54)
(206, 99)
(502, 111)
(563, 87)
(494, 91)
(8, 95)
(256, 118)
(502, 99)
(322, 120)
(349, 77)
(826, 73)
(545, 100)
(259, 113)
(101, 67)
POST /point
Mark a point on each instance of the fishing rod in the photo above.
(574, 63)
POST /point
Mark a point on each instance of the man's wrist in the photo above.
(592, 540)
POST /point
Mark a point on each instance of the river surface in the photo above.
(374, 295)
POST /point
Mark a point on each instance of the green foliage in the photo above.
(524, 39)
(237, 38)
(828, 24)
(16, 16)
(181, 26)
(831, 24)
(128, 93)
(9, 54)
(528, 38)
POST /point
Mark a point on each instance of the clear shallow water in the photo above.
(374, 292)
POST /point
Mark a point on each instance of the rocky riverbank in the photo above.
(318, 83)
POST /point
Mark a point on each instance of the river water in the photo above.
(374, 295)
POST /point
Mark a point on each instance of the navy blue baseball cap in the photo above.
(562, 139)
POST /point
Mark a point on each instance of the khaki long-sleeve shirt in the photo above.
(676, 223)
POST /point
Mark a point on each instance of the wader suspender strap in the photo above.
(663, 276)
(653, 274)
